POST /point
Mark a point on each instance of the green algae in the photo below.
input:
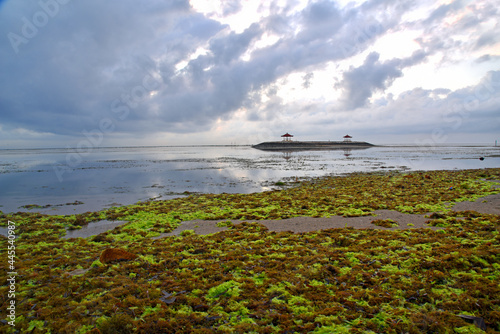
(248, 279)
(385, 223)
(226, 289)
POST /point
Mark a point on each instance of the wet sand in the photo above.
(488, 205)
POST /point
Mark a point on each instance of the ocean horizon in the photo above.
(66, 181)
(469, 144)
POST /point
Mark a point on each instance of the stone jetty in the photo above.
(311, 145)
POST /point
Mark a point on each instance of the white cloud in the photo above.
(182, 69)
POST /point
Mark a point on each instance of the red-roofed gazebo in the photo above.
(287, 137)
(347, 138)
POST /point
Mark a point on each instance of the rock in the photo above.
(116, 254)
(478, 322)
(77, 272)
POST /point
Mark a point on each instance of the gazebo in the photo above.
(287, 137)
(347, 138)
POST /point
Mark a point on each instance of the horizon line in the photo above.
(244, 145)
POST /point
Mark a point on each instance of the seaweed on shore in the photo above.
(248, 279)
(388, 223)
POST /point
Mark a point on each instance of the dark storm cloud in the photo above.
(160, 66)
(230, 48)
(443, 10)
(231, 7)
(361, 82)
(321, 21)
(487, 58)
(63, 79)
(433, 114)
(279, 24)
(90, 61)
(307, 80)
(488, 39)
(217, 83)
(442, 37)
(473, 109)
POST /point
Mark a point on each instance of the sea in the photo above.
(66, 181)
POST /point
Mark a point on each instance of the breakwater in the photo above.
(310, 145)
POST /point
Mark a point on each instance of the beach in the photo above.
(486, 205)
(381, 252)
(193, 166)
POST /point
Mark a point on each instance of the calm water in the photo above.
(105, 177)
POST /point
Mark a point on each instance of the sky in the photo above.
(87, 74)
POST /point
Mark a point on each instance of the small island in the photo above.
(288, 144)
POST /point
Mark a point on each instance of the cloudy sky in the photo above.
(126, 72)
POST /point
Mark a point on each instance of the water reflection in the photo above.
(288, 154)
(120, 176)
(92, 229)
